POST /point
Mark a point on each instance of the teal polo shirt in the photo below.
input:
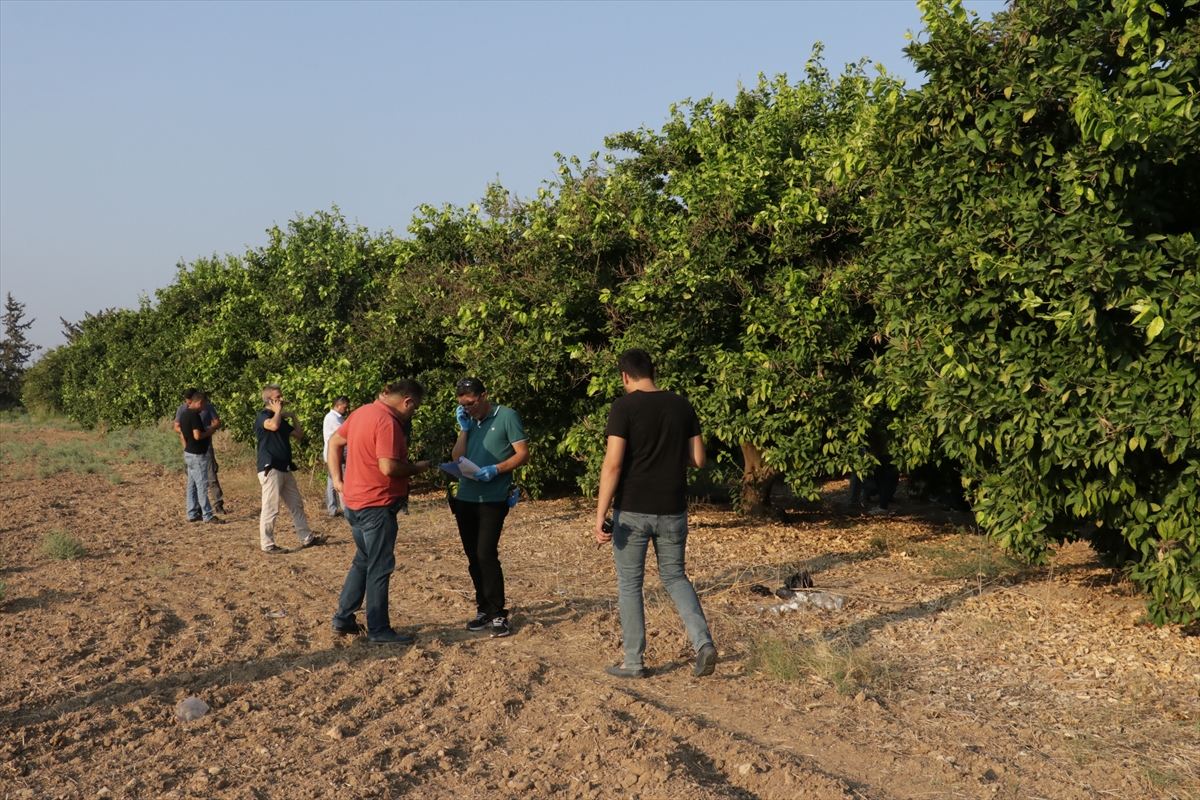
(490, 441)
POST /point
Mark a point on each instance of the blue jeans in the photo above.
(374, 530)
(197, 486)
(632, 536)
(333, 502)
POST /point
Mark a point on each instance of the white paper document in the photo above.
(465, 468)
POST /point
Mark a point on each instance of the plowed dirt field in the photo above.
(950, 673)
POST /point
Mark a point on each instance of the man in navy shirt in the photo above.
(274, 429)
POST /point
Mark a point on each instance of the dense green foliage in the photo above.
(1034, 239)
(998, 269)
(738, 272)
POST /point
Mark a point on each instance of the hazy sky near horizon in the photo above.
(137, 135)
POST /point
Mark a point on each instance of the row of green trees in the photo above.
(998, 269)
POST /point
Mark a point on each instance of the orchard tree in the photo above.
(15, 351)
(1036, 259)
(743, 279)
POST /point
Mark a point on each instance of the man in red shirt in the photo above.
(374, 487)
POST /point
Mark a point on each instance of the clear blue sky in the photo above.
(134, 135)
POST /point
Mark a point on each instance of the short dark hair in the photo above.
(406, 387)
(341, 398)
(472, 386)
(190, 392)
(636, 363)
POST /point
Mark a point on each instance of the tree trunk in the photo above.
(758, 479)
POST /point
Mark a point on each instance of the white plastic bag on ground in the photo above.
(190, 708)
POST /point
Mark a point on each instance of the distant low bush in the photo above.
(62, 546)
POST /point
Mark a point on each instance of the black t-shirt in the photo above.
(274, 447)
(189, 423)
(656, 427)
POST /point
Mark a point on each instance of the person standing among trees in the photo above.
(490, 436)
(208, 416)
(374, 487)
(274, 429)
(196, 441)
(653, 437)
(333, 421)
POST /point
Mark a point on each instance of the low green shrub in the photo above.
(62, 546)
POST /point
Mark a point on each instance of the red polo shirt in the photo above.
(371, 433)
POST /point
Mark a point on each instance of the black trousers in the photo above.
(479, 527)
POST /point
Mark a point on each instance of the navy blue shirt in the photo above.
(274, 447)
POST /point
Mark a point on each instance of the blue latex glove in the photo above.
(514, 496)
(485, 474)
(464, 419)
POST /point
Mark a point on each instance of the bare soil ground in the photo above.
(951, 672)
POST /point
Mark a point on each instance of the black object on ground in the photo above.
(760, 590)
(799, 580)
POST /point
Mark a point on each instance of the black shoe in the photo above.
(500, 627)
(214, 521)
(195, 519)
(313, 542)
(706, 661)
(619, 671)
(274, 550)
(353, 629)
(391, 637)
(481, 623)
(219, 510)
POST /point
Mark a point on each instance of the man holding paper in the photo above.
(374, 487)
(493, 443)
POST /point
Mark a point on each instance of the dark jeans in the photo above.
(479, 527)
(883, 482)
(374, 531)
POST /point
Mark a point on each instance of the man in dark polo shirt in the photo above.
(274, 429)
(491, 437)
(373, 485)
(653, 437)
(196, 441)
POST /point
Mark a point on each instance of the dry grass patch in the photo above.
(848, 668)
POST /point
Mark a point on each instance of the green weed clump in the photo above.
(847, 667)
(3, 591)
(62, 546)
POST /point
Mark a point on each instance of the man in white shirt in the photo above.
(333, 421)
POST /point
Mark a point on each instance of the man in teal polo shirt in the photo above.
(491, 436)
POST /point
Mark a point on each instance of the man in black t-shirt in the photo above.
(274, 429)
(208, 415)
(196, 441)
(653, 437)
